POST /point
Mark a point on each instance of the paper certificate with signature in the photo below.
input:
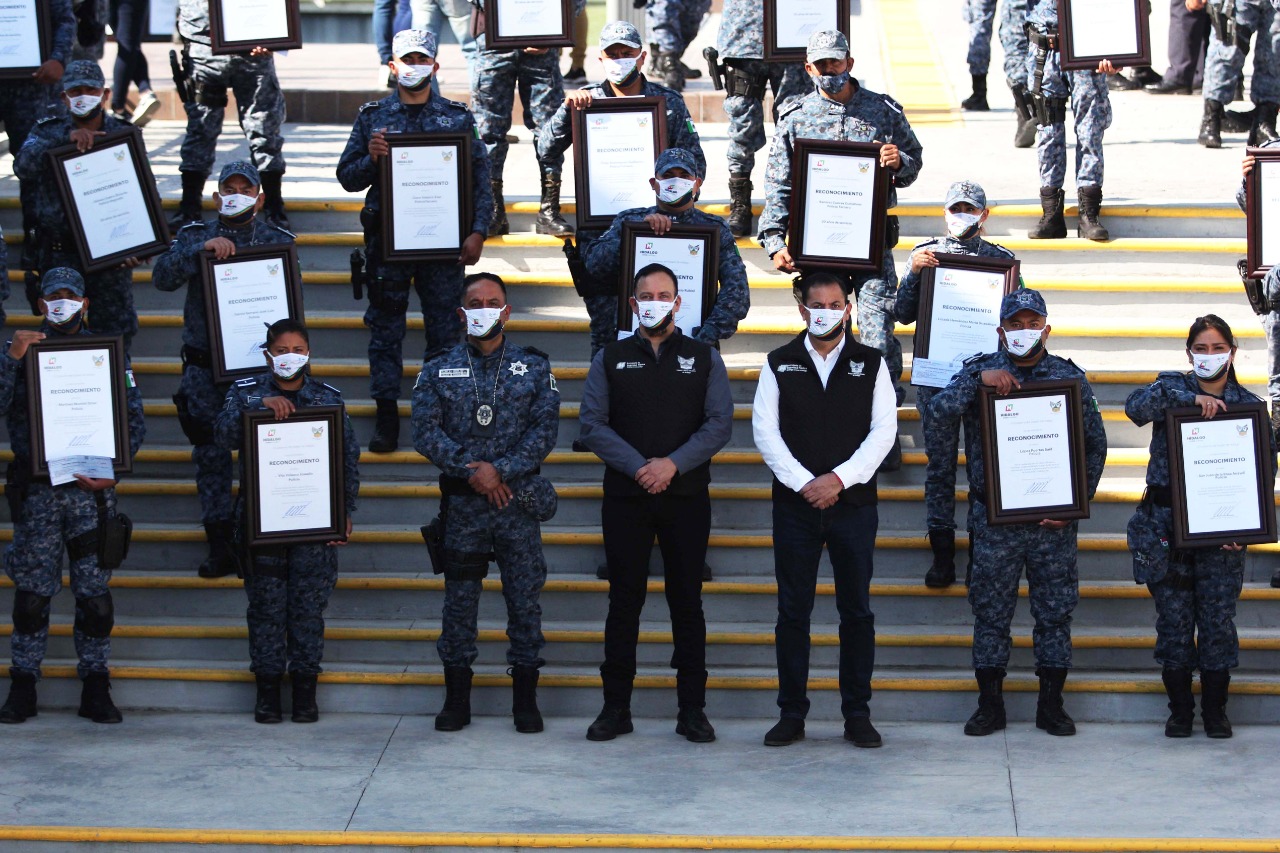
(77, 416)
(251, 294)
(294, 491)
(962, 322)
(254, 20)
(426, 189)
(19, 34)
(1033, 448)
(839, 201)
(106, 192)
(1104, 28)
(620, 156)
(529, 17)
(799, 19)
(1220, 475)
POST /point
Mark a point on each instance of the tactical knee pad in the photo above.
(30, 612)
(465, 565)
(95, 617)
(211, 95)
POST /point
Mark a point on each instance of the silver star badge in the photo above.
(518, 368)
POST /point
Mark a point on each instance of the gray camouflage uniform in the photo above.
(1013, 38)
(673, 24)
(526, 422)
(1224, 64)
(1194, 589)
(999, 553)
(288, 586)
(439, 283)
(980, 15)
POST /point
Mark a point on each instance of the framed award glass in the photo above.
(243, 294)
(25, 37)
(1094, 30)
(517, 24)
(616, 141)
(294, 476)
(1262, 211)
(426, 196)
(692, 252)
(789, 23)
(959, 314)
(839, 204)
(238, 26)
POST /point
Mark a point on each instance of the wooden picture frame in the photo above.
(823, 157)
(1014, 406)
(1009, 270)
(561, 36)
(596, 210)
(696, 241)
(1262, 211)
(224, 42)
(216, 274)
(453, 166)
(1114, 17)
(285, 443)
(43, 21)
(798, 11)
(1248, 416)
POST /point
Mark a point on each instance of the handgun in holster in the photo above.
(17, 483)
(1222, 19)
(433, 536)
(1254, 289)
(109, 540)
(357, 274)
(715, 69)
(181, 74)
(1022, 102)
(577, 269)
(1048, 111)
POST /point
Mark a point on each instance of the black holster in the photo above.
(1222, 19)
(892, 231)
(742, 83)
(583, 282)
(715, 69)
(357, 274)
(17, 485)
(433, 537)
(1254, 290)
(454, 564)
(377, 285)
(181, 71)
(109, 540)
(197, 431)
(1022, 102)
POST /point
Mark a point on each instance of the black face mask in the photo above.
(244, 217)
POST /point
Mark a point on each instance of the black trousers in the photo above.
(127, 20)
(1189, 34)
(681, 524)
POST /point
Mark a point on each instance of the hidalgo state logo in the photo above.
(1242, 429)
(317, 431)
(1055, 406)
(864, 167)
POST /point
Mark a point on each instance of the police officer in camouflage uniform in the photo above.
(840, 108)
(412, 108)
(288, 586)
(966, 211)
(1013, 38)
(676, 182)
(1046, 550)
(980, 15)
(1050, 87)
(48, 519)
(1194, 589)
(622, 54)
(259, 102)
(673, 25)
(486, 413)
(199, 398)
(746, 74)
(1234, 23)
(85, 94)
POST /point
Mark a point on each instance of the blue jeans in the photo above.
(799, 532)
(389, 18)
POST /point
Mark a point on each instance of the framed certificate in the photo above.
(426, 196)
(616, 141)
(787, 29)
(1262, 211)
(243, 295)
(515, 24)
(76, 396)
(959, 313)
(1033, 453)
(110, 199)
(1094, 30)
(692, 252)
(839, 204)
(25, 37)
(162, 20)
(238, 26)
(294, 477)
(1220, 477)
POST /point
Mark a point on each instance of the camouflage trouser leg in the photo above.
(689, 21)
(110, 294)
(1195, 628)
(493, 103)
(288, 592)
(1271, 324)
(439, 287)
(662, 20)
(942, 448)
(261, 109)
(385, 319)
(213, 464)
(876, 297)
(1013, 38)
(980, 15)
(1091, 105)
(746, 115)
(1223, 68)
(204, 123)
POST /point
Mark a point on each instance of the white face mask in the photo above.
(60, 311)
(289, 365)
(82, 105)
(962, 226)
(617, 70)
(235, 203)
(413, 76)
(1022, 341)
(823, 320)
(673, 190)
(1210, 366)
(653, 314)
(480, 321)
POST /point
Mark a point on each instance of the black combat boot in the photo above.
(1182, 705)
(273, 206)
(990, 714)
(942, 573)
(740, 205)
(386, 430)
(456, 712)
(222, 560)
(550, 220)
(1087, 224)
(192, 196)
(524, 699)
(1238, 121)
(95, 699)
(1264, 125)
(671, 70)
(267, 708)
(613, 720)
(1213, 702)
(1052, 225)
(1050, 714)
(1211, 124)
(305, 709)
(692, 725)
(21, 703)
(499, 224)
(977, 102)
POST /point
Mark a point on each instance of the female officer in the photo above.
(1195, 589)
(288, 585)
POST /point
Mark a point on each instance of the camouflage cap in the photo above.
(827, 44)
(1025, 299)
(414, 41)
(538, 498)
(61, 278)
(966, 191)
(240, 167)
(621, 32)
(82, 72)
(676, 158)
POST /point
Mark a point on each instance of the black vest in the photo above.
(824, 427)
(656, 405)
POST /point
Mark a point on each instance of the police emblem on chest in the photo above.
(685, 365)
(857, 368)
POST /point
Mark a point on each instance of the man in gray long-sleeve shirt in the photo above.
(656, 408)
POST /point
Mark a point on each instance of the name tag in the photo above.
(792, 368)
(455, 372)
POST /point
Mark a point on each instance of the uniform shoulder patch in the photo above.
(331, 388)
(537, 352)
(284, 231)
(790, 107)
(1077, 367)
(892, 104)
(189, 225)
(1002, 249)
(435, 353)
(247, 383)
(369, 106)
